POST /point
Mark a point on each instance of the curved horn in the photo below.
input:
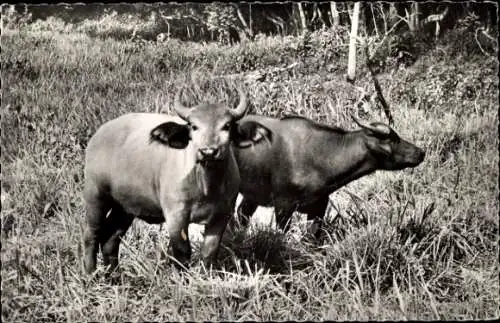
(179, 108)
(242, 107)
(381, 130)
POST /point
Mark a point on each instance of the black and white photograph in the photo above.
(249, 161)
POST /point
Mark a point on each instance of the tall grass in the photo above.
(415, 244)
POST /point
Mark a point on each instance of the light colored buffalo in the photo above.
(160, 168)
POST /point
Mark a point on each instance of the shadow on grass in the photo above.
(264, 248)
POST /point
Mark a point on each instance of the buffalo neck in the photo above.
(348, 159)
(210, 178)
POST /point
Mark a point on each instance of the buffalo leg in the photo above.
(316, 212)
(212, 238)
(115, 227)
(96, 210)
(177, 228)
(245, 211)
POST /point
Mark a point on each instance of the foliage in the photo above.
(13, 19)
(470, 37)
(51, 24)
(219, 21)
(220, 18)
(450, 87)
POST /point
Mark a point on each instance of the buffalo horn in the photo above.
(384, 130)
(179, 108)
(240, 110)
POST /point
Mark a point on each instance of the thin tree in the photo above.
(413, 17)
(303, 21)
(335, 16)
(351, 63)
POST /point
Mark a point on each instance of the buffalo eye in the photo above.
(226, 126)
(193, 127)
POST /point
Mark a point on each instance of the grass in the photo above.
(414, 244)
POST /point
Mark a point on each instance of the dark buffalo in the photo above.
(294, 163)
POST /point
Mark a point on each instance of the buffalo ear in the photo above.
(249, 133)
(171, 134)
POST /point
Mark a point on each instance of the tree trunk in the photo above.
(320, 16)
(393, 12)
(248, 31)
(317, 15)
(303, 21)
(250, 20)
(412, 16)
(335, 14)
(416, 15)
(351, 63)
(374, 20)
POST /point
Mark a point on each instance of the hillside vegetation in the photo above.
(414, 244)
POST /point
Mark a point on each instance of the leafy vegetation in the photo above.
(415, 244)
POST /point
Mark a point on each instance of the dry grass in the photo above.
(416, 244)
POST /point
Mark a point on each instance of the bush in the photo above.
(12, 19)
(469, 38)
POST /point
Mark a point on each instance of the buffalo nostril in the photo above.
(421, 155)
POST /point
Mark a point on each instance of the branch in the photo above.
(436, 17)
(479, 44)
(485, 32)
(402, 18)
(380, 43)
(247, 30)
(378, 89)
